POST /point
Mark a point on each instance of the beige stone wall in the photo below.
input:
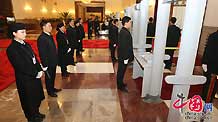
(64, 6)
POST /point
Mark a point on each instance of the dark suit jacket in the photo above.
(72, 37)
(62, 47)
(29, 87)
(210, 56)
(82, 32)
(125, 46)
(47, 50)
(150, 32)
(113, 35)
(173, 36)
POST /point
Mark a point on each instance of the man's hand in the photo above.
(204, 66)
(68, 50)
(39, 75)
(44, 68)
(126, 61)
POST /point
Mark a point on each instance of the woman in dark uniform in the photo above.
(63, 49)
(27, 72)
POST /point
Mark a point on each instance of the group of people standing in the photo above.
(68, 41)
(28, 70)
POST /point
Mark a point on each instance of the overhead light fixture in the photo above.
(44, 9)
(54, 11)
(86, 1)
(27, 7)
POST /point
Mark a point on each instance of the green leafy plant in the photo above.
(65, 16)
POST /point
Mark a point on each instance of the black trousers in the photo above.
(168, 63)
(148, 41)
(89, 34)
(30, 111)
(80, 46)
(120, 73)
(206, 87)
(63, 69)
(112, 49)
(50, 81)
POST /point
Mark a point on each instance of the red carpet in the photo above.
(6, 71)
(95, 43)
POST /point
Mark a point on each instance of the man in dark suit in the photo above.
(173, 37)
(48, 56)
(78, 37)
(150, 32)
(27, 72)
(210, 64)
(72, 38)
(125, 52)
(113, 38)
(90, 28)
(63, 49)
(96, 26)
(82, 34)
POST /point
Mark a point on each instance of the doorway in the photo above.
(94, 8)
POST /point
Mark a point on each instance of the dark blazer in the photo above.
(210, 56)
(125, 46)
(47, 50)
(72, 37)
(82, 32)
(150, 32)
(173, 36)
(26, 69)
(62, 47)
(113, 35)
(90, 25)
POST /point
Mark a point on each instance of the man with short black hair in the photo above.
(73, 42)
(48, 56)
(113, 38)
(150, 32)
(173, 37)
(210, 66)
(125, 52)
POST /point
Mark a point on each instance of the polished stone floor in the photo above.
(72, 105)
(89, 96)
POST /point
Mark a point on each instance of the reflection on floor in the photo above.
(72, 105)
(89, 68)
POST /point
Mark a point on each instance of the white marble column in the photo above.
(118, 15)
(159, 47)
(135, 28)
(143, 22)
(194, 14)
(128, 12)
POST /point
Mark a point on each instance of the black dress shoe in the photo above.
(53, 95)
(57, 90)
(65, 75)
(73, 64)
(40, 115)
(123, 89)
(114, 60)
(35, 119)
